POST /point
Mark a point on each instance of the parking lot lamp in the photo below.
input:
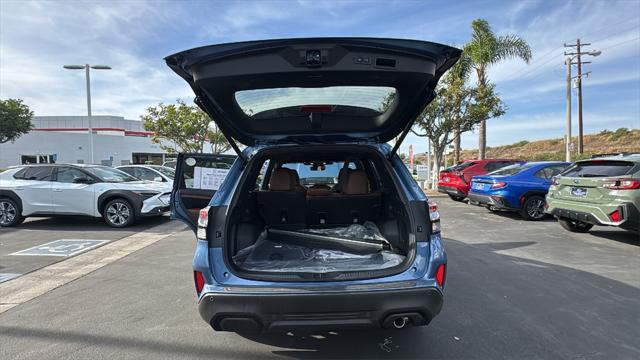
(87, 67)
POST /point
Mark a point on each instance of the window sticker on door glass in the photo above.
(208, 178)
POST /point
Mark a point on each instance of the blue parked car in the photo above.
(520, 187)
(318, 223)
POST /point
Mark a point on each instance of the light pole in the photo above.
(86, 67)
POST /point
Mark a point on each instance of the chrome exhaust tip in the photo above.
(400, 322)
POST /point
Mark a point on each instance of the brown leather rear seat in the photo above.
(284, 202)
(354, 204)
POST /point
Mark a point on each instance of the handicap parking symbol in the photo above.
(62, 247)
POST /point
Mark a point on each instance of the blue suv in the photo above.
(520, 187)
(317, 224)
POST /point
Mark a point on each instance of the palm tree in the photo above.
(459, 72)
(486, 49)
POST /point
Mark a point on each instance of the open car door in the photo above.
(198, 177)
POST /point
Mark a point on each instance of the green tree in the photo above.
(486, 49)
(185, 127)
(457, 108)
(15, 120)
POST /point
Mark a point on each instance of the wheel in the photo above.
(456, 198)
(118, 213)
(533, 208)
(9, 213)
(575, 225)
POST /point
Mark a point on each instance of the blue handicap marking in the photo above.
(62, 247)
(8, 276)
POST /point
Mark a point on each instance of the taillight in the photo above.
(434, 216)
(615, 216)
(203, 222)
(199, 279)
(621, 184)
(498, 185)
(440, 274)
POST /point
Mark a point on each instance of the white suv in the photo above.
(92, 190)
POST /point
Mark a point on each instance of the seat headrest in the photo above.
(295, 178)
(281, 180)
(318, 191)
(356, 183)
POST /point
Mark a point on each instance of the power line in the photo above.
(528, 69)
(622, 43)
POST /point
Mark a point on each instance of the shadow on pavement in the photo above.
(123, 343)
(84, 223)
(513, 215)
(627, 237)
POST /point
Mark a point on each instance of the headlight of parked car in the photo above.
(146, 194)
(165, 198)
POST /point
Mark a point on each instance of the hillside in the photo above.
(620, 140)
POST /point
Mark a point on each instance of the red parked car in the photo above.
(455, 181)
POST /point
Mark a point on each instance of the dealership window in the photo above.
(147, 158)
(37, 159)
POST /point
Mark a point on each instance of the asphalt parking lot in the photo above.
(36, 235)
(515, 289)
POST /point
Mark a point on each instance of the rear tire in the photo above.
(533, 208)
(10, 213)
(118, 213)
(456, 198)
(575, 225)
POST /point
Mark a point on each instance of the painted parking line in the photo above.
(8, 276)
(62, 247)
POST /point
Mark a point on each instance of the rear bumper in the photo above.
(450, 190)
(496, 201)
(318, 311)
(596, 214)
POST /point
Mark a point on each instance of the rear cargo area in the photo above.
(332, 249)
(320, 215)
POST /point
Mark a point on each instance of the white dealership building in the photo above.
(65, 139)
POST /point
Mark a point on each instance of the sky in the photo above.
(133, 37)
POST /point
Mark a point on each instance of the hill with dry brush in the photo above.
(620, 140)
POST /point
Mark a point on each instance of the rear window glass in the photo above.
(511, 169)
(599, 168)
(319, 173)
(372, 98)
(461, 166)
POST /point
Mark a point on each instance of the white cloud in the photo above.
(37, 38)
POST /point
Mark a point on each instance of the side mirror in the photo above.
(82, 180)
(158, 179)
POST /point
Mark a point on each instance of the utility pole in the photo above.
(579, 80)
(578, 56)
(567, 137)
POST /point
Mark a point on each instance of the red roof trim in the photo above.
(126, 132)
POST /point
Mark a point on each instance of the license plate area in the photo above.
(477, 186)
(578, 191)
